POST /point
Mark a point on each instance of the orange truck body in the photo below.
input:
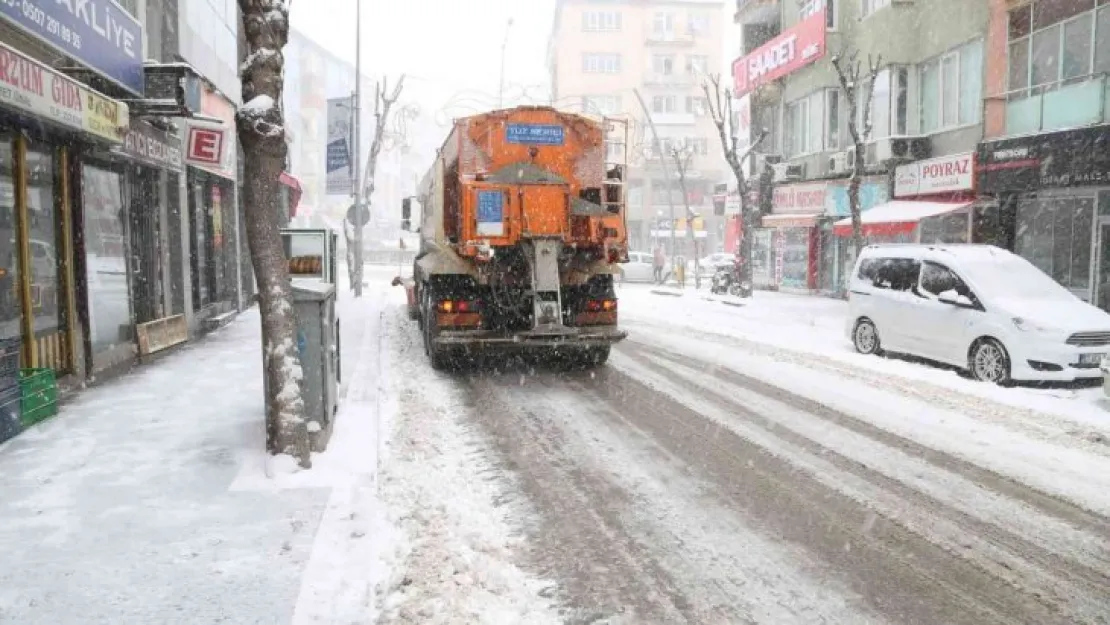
(521, 233)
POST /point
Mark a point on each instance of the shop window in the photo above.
(1055, 235)
(105, 257)
(795, 257)
(177, 273)
(43, 235)
(11, 307)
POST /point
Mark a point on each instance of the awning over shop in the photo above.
(295, 191)
(897, 217)
(790, 221)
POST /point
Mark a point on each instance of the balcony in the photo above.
(682, 80)
(674, 119)
(671, 38)
(1057, 106)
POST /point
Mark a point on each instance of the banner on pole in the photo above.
(338, 154)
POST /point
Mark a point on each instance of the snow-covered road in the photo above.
(702, 477)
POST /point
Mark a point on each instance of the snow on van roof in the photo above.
(967, 251)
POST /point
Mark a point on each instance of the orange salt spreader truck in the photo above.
(522, 228)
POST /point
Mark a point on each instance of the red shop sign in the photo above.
(205, 145)
(796, 47)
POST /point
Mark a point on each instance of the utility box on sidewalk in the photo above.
(318, 345)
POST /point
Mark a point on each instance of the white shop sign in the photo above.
(945, 174)
(799, 199)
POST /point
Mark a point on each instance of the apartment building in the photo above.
(1045, 156)
(926, 114)
(602, 52)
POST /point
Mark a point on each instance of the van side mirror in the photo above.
(406, 214)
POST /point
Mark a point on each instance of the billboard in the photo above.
(337, 156)
(797, 47)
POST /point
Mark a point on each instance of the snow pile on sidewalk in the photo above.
(461, 533)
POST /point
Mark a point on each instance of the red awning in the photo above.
(295, 192)
(897, 217)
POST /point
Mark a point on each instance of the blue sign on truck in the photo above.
(532, 134)
(98, 33)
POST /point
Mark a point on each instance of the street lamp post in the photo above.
(501, 83)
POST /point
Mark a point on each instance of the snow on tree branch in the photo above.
(266, 30)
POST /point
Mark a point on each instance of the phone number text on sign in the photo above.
(49, 24)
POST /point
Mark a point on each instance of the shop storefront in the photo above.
(47, 123)
(837, 254)
(934, 203)
(796, 210)
(1054, 189)
(154, 171)
(213, 219)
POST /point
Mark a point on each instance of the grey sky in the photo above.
(445, 46)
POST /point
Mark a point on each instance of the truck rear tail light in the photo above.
(601, 305)
(459, 306)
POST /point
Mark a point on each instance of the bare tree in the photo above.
(261, 129)
(382, 105)
(850, 73)
(719, 102)
(682, 155)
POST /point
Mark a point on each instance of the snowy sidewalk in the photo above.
(141, 501)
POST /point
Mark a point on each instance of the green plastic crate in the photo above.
(38, 399)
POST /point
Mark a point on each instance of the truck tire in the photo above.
(438, 357)
(595, 356)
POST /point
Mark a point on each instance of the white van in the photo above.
(977, 307)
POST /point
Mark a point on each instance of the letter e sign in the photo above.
(206, 145)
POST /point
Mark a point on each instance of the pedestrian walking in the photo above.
(658, 262)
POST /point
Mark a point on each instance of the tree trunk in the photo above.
(744, 247)
(853, 199)
(261, 131)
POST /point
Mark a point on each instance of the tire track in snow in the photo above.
(1047, 511)
(977, 543)
(1038, 425)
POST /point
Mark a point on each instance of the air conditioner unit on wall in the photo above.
(899, 148)
(759, 162)
(787, 172)
(838, 163)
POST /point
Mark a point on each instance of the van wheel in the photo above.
(988, 361)
(866, 338)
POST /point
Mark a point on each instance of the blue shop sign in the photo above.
(871, 194)
(98, 33)
(535, 134)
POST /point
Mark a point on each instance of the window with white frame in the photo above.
(889, 108)
(811, 124)
(663, 24)
(593, 63)
(810, 7)
(951, 88)
(697, 64)
(601, 21)
(697, 24)
(664, 104)
(601, 104)
(867, 7)
(1057, 43)
(696, 105)
(698, 145)
(662, 64)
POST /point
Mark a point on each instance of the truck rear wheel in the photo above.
(438, 357)
(595, 356)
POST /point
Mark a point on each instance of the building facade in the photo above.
(601, 54)
(97, 172)
(1044, 157)
(926, 118)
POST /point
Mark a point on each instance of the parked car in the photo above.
(978, 307)
(638, 268)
